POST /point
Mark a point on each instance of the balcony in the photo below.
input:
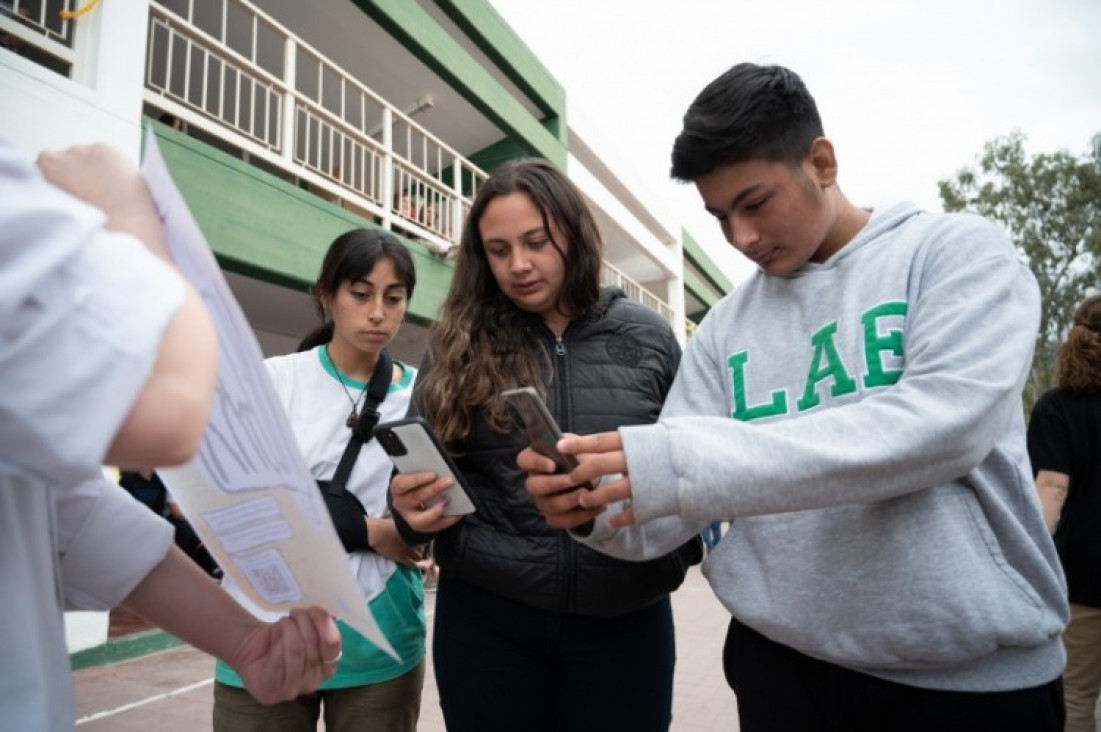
(239, 76)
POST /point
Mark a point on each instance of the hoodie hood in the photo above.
(886, 217)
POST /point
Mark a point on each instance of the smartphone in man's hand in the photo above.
(539, 426)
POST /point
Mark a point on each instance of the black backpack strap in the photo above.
(368, 418)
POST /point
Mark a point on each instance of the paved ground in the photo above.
(170, 691)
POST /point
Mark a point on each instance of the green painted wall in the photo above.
(695, 254)
(415, 29)
(481, 22)
(700, 289)
(507, 149)
(266, 228)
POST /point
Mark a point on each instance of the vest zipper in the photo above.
(569, 546)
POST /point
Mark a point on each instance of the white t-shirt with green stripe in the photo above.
(317, 406)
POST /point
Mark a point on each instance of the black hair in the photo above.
(352, 256)
(749, 112)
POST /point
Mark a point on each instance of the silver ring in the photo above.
(339, 656)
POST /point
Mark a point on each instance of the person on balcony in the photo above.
(534, 631)
(362, 293)
(854, 409)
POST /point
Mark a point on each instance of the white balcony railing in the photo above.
(226, 68)
(611, 276)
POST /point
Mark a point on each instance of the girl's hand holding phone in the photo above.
(420, 499)
(429, 493)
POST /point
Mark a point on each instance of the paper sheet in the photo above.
(248, 492)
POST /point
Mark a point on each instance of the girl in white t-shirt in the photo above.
(362, 293)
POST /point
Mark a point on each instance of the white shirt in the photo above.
(82, 312)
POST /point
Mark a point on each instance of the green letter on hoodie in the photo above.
(742, 411)
(824, 347)
(875, 344)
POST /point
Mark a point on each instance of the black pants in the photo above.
(780, 690)
(504, 666)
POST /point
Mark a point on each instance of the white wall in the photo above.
(43, 110)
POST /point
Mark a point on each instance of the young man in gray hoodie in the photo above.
(854, 410)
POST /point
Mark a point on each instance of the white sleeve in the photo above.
(107, 543)
(82, 313)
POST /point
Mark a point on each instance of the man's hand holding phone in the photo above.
(563, 504)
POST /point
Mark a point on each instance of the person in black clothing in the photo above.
(1064, 434)
(533, 630)
(146, 486)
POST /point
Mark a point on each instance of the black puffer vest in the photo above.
(611, 367)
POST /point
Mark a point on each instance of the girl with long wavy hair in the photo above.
(534, 631)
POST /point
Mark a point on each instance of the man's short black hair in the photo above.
(749, 112)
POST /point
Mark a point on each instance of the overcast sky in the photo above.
(908, 91)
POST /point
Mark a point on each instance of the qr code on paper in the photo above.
(270, 576)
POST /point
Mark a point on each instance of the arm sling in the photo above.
(345, 509)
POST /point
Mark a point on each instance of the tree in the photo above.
(1050, 204)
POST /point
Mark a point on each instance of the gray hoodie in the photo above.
(860, 424)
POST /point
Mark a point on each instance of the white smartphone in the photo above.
(539, 426)
(413, 447)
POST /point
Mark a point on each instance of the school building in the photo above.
(285, 123)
